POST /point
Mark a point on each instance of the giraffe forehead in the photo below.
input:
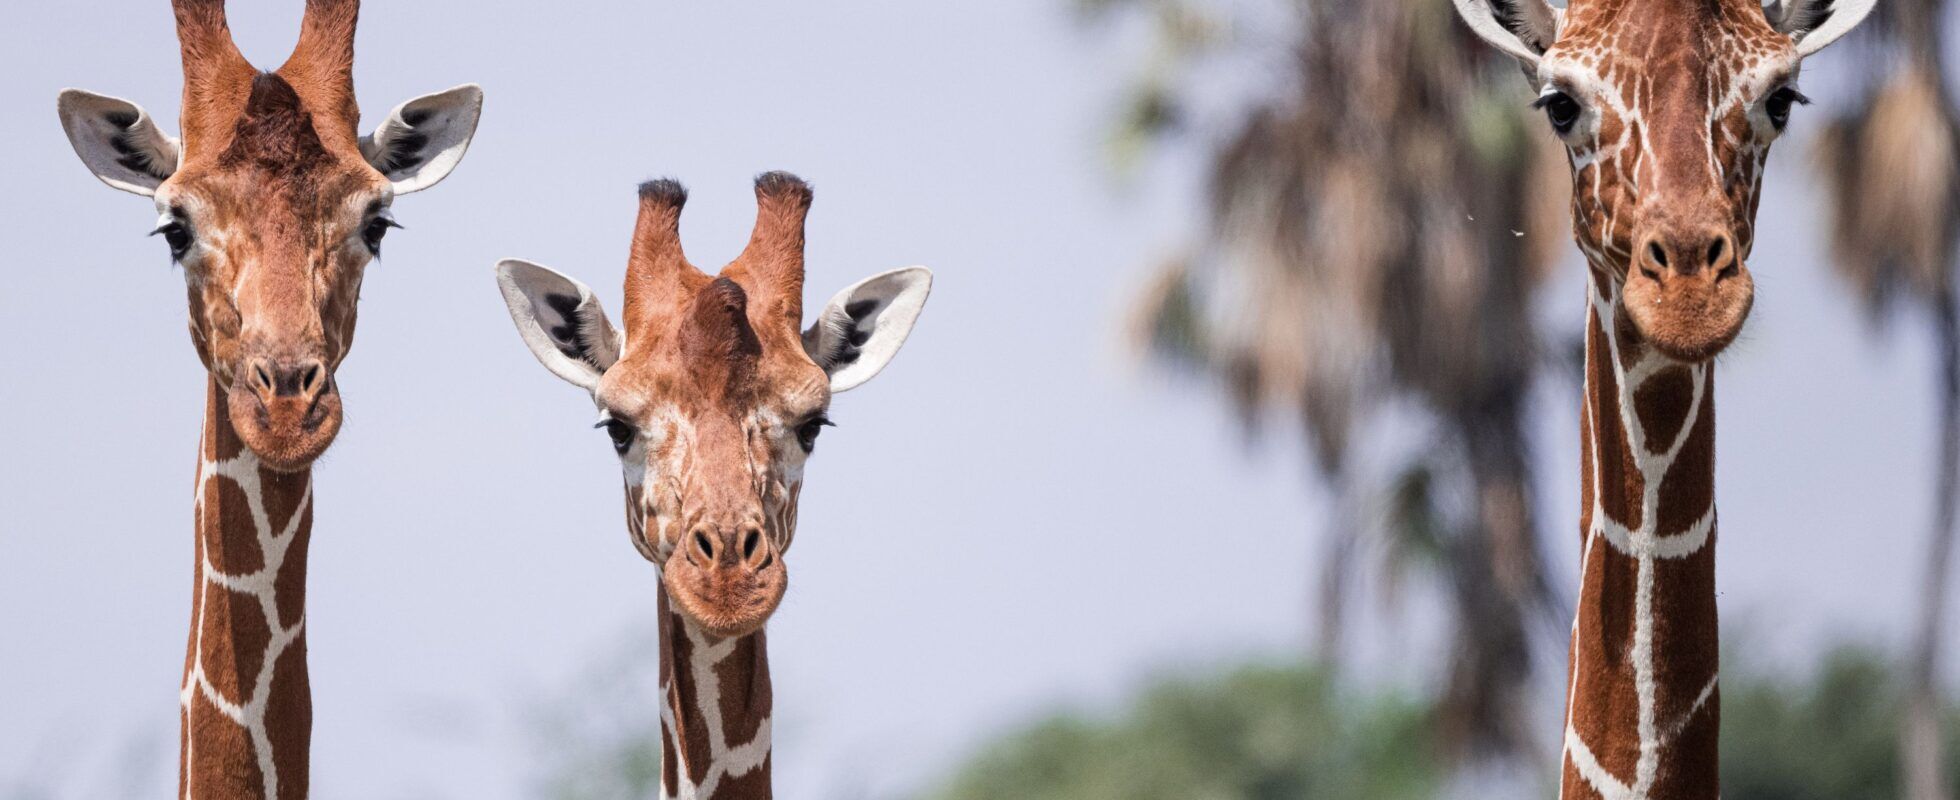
(658, 378)
(1621, 44)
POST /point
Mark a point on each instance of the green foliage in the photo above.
(1832, 738)
(1258, 733)
(1292, 732)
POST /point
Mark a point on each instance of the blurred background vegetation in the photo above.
(1291, 731)
(1282, 731)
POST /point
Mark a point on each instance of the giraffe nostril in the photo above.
(1715, 250)
(261, 377)
(749, 542)
(705, 547)
(1658, 254)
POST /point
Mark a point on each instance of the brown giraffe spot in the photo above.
(234, 640)
(289, 719)
(1574, 787)
(283, 492)
(1603, 673)
(289, 586)
(751, 785)
(745, 693)
(1586, 437)
(230, 535)
(222, 759)
(1693, 771)
(1686, 643)
(1620, 483)
(1662, 405)
(669, 773)
(691, 727)
(1689, 484)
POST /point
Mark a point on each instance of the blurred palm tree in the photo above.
(1377, 229)
(1890, 165)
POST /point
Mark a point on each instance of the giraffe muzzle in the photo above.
(1688, 292)
(287, 410)
(728, 579)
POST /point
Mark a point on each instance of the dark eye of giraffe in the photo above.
(806, 434)
(1777, 105)
(621, 434)
(1561, 109)
(176, 234)
(376, 228)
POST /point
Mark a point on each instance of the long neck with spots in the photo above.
(714, 713)
(1642, 704)
(247, 710)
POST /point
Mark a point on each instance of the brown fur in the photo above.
(274, 190)
(714, 376)
(1673, 56)
(1666, 234)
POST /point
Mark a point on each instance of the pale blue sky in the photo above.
(1013, 514)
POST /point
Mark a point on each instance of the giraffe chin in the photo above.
(727, 602)
(287, 434)
(1689, 318)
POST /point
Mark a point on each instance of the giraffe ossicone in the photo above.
(273, 205)
(1667, 109)
(713, 395)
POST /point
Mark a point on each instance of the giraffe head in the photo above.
(1668, 109)
(711, 395)
(273, 205)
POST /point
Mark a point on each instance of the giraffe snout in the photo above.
(285, 408)
(726, 577)
(1666, 251)
(740, 547)
(1688, 292)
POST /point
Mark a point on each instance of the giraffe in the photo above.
(1667, 109)
(273, 206)
(713, 402)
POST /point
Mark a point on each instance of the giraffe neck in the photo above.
(714, 716)
(247, 711)
(1642, 705)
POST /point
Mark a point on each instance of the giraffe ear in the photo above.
(1523, 28)
(560, 320)
(862, 328)
(423, 139)
(118, 141)
(1816, 23)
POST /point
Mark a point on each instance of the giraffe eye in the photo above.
(1777, 106)
(376, 228)
(620, 433)
(806, 434)
(1561, 109)
(176, 234)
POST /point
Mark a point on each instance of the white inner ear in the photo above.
(560, 320)
(423, 139)
(1800, 19)
(862, 328)
(118, 141)
(1539, 19)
